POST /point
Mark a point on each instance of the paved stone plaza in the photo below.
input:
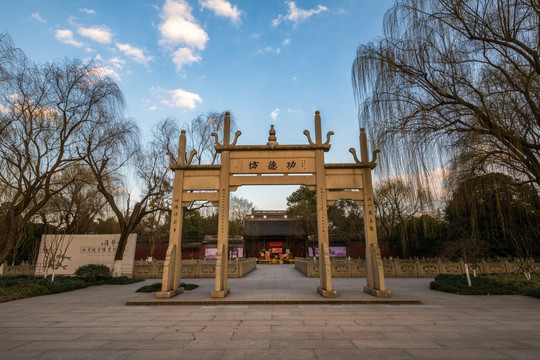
(95, 323)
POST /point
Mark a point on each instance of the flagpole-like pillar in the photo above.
(221, 290)
(172, 268)
(325, 288)
(374, 266)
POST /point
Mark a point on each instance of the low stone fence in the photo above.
(414, 267)
(195, 268)
(154, 269)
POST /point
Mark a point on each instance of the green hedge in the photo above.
(487, 285)
(157, 287)
(13, 287)
(24, 286)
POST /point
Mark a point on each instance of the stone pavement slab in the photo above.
(95, 323)
(276, 284)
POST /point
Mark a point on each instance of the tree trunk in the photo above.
(8, 232)
(122, 242)
(119, 256)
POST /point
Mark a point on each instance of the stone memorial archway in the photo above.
(272, 164)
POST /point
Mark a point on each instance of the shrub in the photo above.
(24, 286)
(94, 274)
(157, 287)
(534, 292)
(150, 288)
(481, 285)
(13, 287)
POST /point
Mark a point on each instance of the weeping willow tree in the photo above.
(199, 136)
(453, 89)
(454, 78)
(495, 213)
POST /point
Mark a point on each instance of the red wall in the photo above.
(161, 251)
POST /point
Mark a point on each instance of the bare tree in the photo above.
(54, 248)
(77, 205)
(119, 160)
(239, 208)
(396, 203)
(155, 224)
(345, 220)
(51, 117)
(452, 77)
(199, 136)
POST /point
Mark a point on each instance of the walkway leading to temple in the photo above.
(275, 284)
(94, 323)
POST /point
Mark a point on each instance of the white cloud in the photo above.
(184, 99)
(180, 29)
(105, 71)
(222, 8)
(269, 49)
(294, 111)
(179, 26)
(296, 15)
(88, 11)
(38, 17)
(135, 53)
(118, 62)
(66, 36)
(3, 108)
(72, 20)
(101, 34)
(274, 114)
(152, 108)
(184, 56)
(286, 42)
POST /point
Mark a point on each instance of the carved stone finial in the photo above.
(272, 139)
(172, 160)
(236, 135)
(216, 139)
(330, 133)
(308, 135)
(191, 155)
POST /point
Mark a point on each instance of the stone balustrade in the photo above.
(310, 268)
(154, 269)
(195, 268)
(414, 267)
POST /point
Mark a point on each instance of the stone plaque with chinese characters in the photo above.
(272, 165)
(88, 249)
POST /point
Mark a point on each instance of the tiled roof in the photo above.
(272, 227)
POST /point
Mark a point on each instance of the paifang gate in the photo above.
(272, 164)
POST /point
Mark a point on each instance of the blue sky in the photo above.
(268, 62)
